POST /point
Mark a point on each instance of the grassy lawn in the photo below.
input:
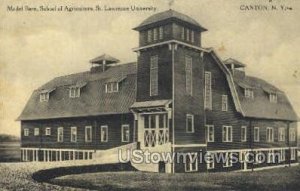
(274, 179)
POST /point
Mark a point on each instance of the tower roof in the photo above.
(169, 15)
(109, 59)
(237, 64)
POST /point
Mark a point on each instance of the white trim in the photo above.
(186, 123)
(189, 145)
(258, 149)
(281, 131)
(48, 131)
(122, 133)
(85, 134)
(254, 138)
(189, 73)
(270, 129)
(267, 167)
(26, 132)
(212, 158)
(207, 134)
(62, 134)
(224, 104)
(106, 131)
(36, 131)
(208, 105)
(242, 138)
(73, 129)
(227, 134)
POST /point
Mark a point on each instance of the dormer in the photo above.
(102, 63)
(169, 25)
(236, 68)
(272, 94)
(45, 94)
(113, 84)
(248, 90)
(74, 90)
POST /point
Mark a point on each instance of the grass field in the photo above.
(9, 151)
(274, 179)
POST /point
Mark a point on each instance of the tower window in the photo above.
(154, 75)
(188, 75)
(187, 34)
(210, 133)
(192, 36)
(224, 103)
(161, 33)
(182, 33)
(208, 93)
(149, 37)
(155, 34)
(190, 123)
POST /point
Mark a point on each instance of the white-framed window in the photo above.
(182, 33)
(155, 34)
(111, 87)
(271, 156)
(44, 97)
(189, 75)
(74, 92)
(189, 123)
(273, 97)
(73, 134)
(292, 134)
(36, 131)
(161, 32)
(270, 134)
(48, 131)
(210, 133)
(192, 36)
(210, 162)
(60, 134)
(256, 134)
(244, 133)
(227, 133)
(125, 133)
(282, 155)
(249, 93)
(149, 35)
(187, 34)
(104, 133)
(207, 91)
(293, 154)
(88, 133)
(154, 75)
(228, 160)
(191, 163)
(281, 134)
(26, 132)
(224, 103)
(258, 157)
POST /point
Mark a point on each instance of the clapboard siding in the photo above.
(164, 74)
(114, 123)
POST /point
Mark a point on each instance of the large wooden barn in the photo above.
(178, 97)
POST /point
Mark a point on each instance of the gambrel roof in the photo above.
(93, 100)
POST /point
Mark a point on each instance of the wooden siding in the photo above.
(114, 123)
(164, 74)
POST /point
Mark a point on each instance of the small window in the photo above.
(88, 133)
(36, 131)
(60, 134)
(104, 133)
(187, 34)
(249, 93)
(155, 34)
(161, 33)
(154, 75)
(227, 133)
(210, 133)
(189, 75)
(74, 92)
(207, 91)
(125, 133)
(210, 162)
(48, 131)
(73, 134)
(112, 87)
(149, 39)
(191, 163)
(182, 33)
(292, 134)
(273, 97)
(26, 132)
(256, 134)
(243, 133)
(189, 123)
(228, 160)
(44, 97)
(192, 36)
(293, 154)
(270, 134)
(281, 134)
(224, 103)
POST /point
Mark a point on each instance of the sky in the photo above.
(35, 47)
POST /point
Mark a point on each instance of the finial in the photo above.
(171, 2)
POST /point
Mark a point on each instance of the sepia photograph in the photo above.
(150, 95)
